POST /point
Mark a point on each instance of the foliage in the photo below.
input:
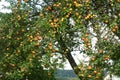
(76, 22)
(58, 28)
(24, 53)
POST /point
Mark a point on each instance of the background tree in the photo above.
(63, 26)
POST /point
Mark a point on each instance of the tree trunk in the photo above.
(68, 55)
(73, 64)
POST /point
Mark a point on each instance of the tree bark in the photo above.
(68, 55)
(73, 64)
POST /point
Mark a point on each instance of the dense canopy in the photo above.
(39, 35)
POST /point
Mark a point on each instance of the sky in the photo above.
(2, 5)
